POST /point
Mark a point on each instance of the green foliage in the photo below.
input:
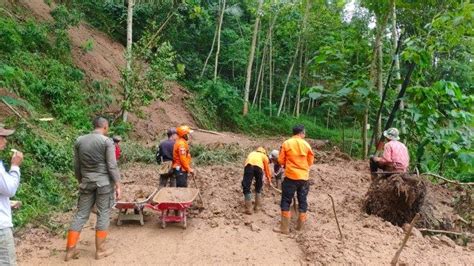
(135, 152)
(221, 155)
(440, 124)
(47, 183)
(153, 63)
(88, 45)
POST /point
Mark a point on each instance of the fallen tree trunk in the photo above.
(397, 198)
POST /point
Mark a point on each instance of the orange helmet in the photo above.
(262, 150)
(183, 131)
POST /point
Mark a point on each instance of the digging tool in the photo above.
(294, 208)
(199, 194)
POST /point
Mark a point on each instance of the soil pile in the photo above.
(396, 198)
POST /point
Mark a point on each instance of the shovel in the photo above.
(294, 206)
(201, 207)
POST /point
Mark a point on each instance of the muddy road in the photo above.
(222, 234)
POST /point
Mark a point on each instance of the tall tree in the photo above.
(128, 56)
(221, 18)
(250, 59)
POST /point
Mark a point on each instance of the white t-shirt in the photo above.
(9, 182)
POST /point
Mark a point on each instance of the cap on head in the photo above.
(391, 134)
(298, 129)
(117, 138)
(262, 150)
(171, 132)
(183, 131)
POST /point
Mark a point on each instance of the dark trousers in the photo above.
(375, 166)
(289, 187)
(251, 172)
(167, 178)
(181, 178)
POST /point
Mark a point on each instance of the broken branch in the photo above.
(335, 216)
(404, 242)
(448, 180)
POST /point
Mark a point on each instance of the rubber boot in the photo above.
(248, 204)
(258, 202)
(71, 251)
(301, 221)
(101, 251)
(284, 227)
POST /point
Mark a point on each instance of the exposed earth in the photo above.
(221, 233)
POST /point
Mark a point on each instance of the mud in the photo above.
(224, 232)
(135, 193)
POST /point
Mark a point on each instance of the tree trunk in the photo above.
(262, 64)
(294, 57)
(129, 59)
(398, 75)
(298, 91)
(221, 18)
(365, 121)
(210, 52)
(270, 74)
(250, 60)
(377, 63)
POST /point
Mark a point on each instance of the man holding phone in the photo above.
(9, 182)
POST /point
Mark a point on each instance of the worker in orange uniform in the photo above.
(182, 157)
(257, 162)
(297, 157)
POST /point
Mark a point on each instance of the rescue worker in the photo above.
(9, 182)
(277, 169)
(257, 162)
(118, 151)
(95, 168)
(395, 156)
(182, 157)
(297, 157)
(164, 157)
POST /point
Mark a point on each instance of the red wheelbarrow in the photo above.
(173, 200)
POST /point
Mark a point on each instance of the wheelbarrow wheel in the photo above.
(163, 224)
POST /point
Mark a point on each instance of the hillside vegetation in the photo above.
(315, 63)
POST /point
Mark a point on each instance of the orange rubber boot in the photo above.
(71, 250)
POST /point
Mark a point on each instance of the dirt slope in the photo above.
(103, 62)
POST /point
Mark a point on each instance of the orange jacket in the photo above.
(259, 159)
(181, 155)
(297, 157)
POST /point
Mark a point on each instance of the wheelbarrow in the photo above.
(125, 210)
(174, 200)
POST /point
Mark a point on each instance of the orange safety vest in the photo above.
(181, 155)
(259, 159)
(297, 157)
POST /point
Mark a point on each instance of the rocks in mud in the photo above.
(254, 228)
(448, 241)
